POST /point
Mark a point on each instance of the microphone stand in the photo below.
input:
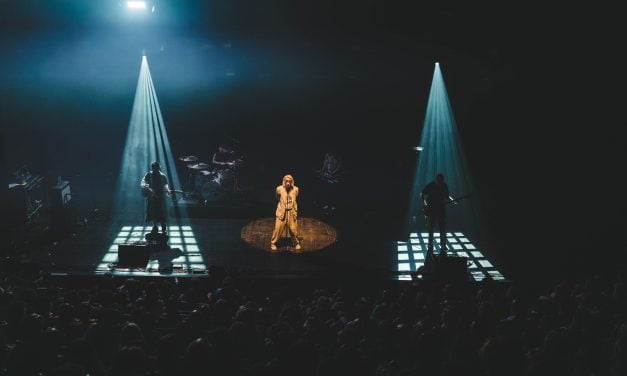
(287, 214)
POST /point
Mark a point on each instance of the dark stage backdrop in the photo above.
(290, 81)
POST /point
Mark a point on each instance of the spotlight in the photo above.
(136, 4)
(418, 148)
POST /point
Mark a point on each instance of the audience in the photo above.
(228, 324)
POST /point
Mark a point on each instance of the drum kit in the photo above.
(189, 158)
(211, 183)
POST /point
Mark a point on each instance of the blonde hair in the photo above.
(288, 176)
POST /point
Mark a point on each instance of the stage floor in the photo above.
(411, 255)
(196, 244)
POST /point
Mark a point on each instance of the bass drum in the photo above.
(212, 191)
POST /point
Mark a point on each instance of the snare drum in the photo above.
(224, 177)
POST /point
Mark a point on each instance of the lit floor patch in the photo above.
(182, 258)
(458, 244)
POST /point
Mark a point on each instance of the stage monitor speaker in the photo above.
(133, 255)
(62, 213)
(452, 268)
(60, 194)
(446, 268)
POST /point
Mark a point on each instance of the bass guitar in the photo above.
(147, 192)
(427, 210)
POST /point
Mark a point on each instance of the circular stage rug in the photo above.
(314, 235)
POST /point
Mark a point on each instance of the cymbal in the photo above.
(188, 158)
(198, 166)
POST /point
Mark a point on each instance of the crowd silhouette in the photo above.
(231, 324)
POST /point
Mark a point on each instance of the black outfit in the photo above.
(436, 197)
(155, 201)
(224, 157)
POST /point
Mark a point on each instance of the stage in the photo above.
(196, 244)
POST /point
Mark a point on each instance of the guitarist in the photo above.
(434, 197)
(154, 186)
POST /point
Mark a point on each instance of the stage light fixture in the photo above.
(136, 4)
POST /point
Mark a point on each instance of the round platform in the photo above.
(314, 235)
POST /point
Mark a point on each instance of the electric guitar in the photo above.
(427, 210)
(147, 192)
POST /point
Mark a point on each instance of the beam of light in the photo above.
(136, 4)
(147, 141)
(442, 151)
